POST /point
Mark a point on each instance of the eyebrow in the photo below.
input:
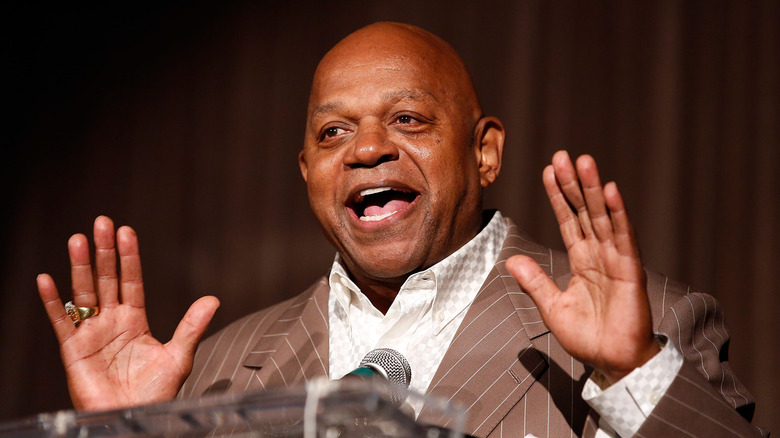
(412, 93)
(324, 109)
(392, 96)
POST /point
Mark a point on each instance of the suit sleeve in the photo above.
(705, 399)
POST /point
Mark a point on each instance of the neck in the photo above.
(381, 293)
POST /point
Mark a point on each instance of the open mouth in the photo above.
(375, 204)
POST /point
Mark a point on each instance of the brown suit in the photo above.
(503, 365)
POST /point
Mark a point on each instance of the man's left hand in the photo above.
(603, 317)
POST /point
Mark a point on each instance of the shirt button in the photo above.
(655, 397)
(440, 316)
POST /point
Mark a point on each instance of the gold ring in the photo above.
(78, 314)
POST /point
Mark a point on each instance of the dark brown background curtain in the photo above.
(183, 119)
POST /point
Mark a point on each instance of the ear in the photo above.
(302, 163)
(489, 142)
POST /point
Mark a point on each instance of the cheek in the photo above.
(455, 183)
(450, 171)
(323, 168)
(321, 186)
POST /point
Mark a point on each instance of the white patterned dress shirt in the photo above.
(423, 319)
(431, 304)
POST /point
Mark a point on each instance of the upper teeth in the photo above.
(367, 192)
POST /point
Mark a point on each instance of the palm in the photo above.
(592, 317)
(112, 360)
(120, 358)
(603, 316)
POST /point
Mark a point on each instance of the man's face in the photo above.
(392, 174)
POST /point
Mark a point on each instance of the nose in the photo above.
(371, 148)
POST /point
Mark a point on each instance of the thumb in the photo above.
(193, 325)
(533, 280)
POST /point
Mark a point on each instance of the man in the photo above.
(396, 155)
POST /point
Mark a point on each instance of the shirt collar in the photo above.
(456, 279)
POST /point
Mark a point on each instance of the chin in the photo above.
(389, 265)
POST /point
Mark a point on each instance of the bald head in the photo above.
(403, 47)
(396, 154)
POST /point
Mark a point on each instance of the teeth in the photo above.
(377, 218)
(367, 192)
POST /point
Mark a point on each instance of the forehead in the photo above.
(392, 78)
(351, 80)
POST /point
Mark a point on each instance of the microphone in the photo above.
(393, 366)
(386, 363)
(389, 365)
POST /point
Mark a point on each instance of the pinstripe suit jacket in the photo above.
(503, 365)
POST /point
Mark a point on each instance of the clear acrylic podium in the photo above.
(322, 409)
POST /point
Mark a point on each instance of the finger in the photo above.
(568, 180)
(192, 327)
(131, 285)
(60, 321)
(82, 280)
(594, 197)
(568, 222)
(105, 262)
(625, 237)
(534, 281)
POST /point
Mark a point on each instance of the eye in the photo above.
(331, 132)
(410, 123)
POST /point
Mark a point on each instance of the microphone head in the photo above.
(390, 363)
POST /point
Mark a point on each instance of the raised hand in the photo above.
(603, 317)
(111, 359)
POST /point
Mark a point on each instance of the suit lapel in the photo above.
(295, 347)
(488, 382)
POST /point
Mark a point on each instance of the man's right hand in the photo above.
(111, 359)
